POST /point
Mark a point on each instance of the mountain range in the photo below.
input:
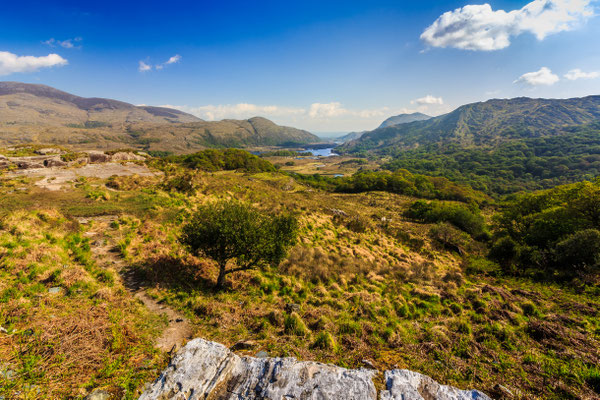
(486, 123)
(42, 114)
(391, 121)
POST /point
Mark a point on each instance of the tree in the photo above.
(234, 232)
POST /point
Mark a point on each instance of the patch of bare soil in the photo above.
(54, 178)
(107, 255)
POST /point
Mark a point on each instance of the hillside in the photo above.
(41, 114)
(498, 146)
(388, 268)
(487, 123)
(403, 119)
(22, 103)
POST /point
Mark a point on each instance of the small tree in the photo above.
(234, 232)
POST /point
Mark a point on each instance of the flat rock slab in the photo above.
(54, 178)
(208, 370)
(403, 384)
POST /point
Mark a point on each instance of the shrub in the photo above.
(579, 251)
(294, 325)
(325, 341)
(466, 219)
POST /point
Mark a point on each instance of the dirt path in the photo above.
(106, 253)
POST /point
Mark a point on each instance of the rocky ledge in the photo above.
(208, 370)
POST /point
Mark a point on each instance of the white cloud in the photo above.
(429, 99)
(175, 59)
(67, 44)
(478, 27)
(576, 73)
(143, 67)
(542, 77)
(147, 67)
(239, 111)
(11, 63)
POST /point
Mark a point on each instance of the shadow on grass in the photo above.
(173, 273)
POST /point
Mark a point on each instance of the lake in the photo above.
(326, 152)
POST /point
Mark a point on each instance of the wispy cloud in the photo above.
(11, 63)
(143, 66)
(576, 73)
(67, 44)
(428, 100)
(478, 27)
(543, 77)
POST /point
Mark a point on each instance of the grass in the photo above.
(382, 290)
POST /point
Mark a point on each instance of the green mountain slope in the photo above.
(499, 146)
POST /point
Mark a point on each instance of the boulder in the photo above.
(48, 150)
(126, 156)
(402, 384)
(204, 369)
(98, 157)
(54, 162)
(29, 164)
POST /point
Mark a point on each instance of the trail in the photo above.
(106, 253)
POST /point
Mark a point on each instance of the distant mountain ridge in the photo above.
(404, 118)
(33, 103)
(42, 114)
(391, 121)
(486, 123)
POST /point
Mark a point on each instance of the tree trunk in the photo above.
(222, 273)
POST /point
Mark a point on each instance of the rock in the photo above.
(29, 164)
(5, 163)
(98, 395)
(55, 290)
(48, 150)
(369, 364)
(3, 330)
(98, 157)
(503, 391)
(54, 162)
(340, 213)
(204, 369)
(403, 384)
(243, 345)
(126, 156)
(262, 354)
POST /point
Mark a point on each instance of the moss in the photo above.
(325, 341)
(294, 325)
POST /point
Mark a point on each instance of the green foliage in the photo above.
(325, 341)
(465, 218)
(233, 231)
(555, 230)
(400, 181)
(293, 325)
(218, 160)
(286, 153)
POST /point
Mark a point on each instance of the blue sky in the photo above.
(325, 66)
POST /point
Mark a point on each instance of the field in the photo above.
(364, 282)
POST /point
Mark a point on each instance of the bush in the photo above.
(325, 341)
(293, 325)
(579, 251)
(466, 219)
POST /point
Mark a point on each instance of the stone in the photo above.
(369, 364)
(503, 391)
(48, 150)
(98, 395)
(243, 345)
(402, 384)
(3, 330)
(55, 290)
(29, 164)
(126, 156)
(98, 157)
(262, 354)
(54, 162)
(204, 369)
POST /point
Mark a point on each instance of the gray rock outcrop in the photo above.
(403, 384)
(208, 370)
(204, 369)
(126, 156)
(98, 157)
